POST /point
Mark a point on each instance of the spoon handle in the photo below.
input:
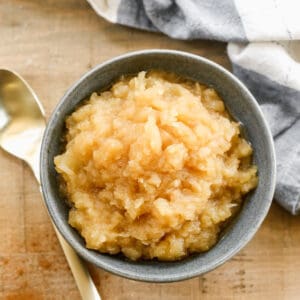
(83, 279)
(85, 284)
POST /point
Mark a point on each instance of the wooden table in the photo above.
(52, 43)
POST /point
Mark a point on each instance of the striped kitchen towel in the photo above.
(264, 49)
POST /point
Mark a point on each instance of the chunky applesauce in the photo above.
(153, 167)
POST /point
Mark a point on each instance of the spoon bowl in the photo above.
(22, 121)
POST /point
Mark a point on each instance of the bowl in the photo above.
(241, 105)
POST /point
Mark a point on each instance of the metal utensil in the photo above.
(22, 124)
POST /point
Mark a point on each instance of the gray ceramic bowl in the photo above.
(243, 108)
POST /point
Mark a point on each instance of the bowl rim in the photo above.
(85, 252)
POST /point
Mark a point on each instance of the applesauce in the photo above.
(153, 167)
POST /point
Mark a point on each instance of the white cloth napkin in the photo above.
(264, 52)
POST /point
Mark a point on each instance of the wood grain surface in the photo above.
(52, 43)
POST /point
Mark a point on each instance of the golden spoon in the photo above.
(22, 124)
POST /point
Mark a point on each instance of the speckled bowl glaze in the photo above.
(243, 107)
